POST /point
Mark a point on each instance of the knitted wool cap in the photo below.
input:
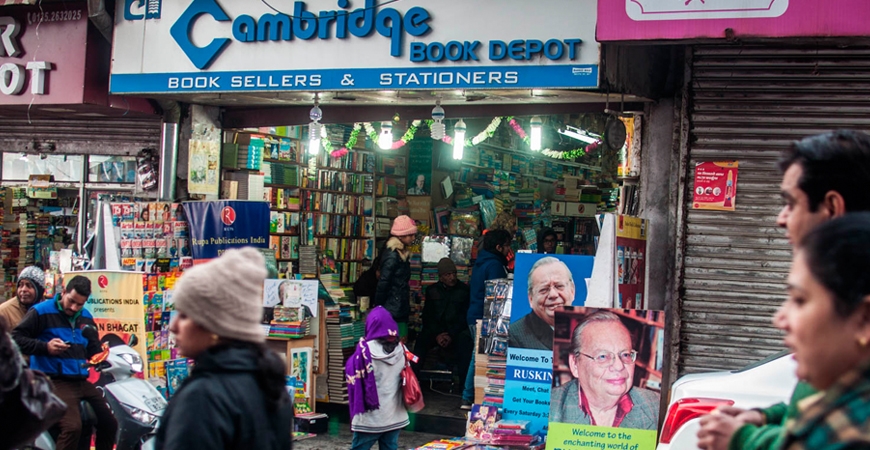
(225, 295)
(403, 226)
(34, 274)
(446, 265)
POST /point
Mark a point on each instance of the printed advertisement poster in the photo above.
(116, 304)
(420, 167)
(221, 225)
(542, 284)
(715, 185)
(203, 169)
(606, 360)
(631, 235)
(292, 294)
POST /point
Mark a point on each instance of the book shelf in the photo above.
(279, 160)
(344, 209)
(339, 208)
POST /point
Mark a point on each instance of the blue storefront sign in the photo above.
(218, 46)
(217, 226)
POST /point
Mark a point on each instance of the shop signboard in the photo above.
(715, 185)
(43, 54)
(220, 46)
(606, 359)
(116, 305)
(541, 282)
(631, 20)
(217, 226)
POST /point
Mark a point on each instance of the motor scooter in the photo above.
(135, 403)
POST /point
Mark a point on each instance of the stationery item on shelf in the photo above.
(460, 250)
(435, 248)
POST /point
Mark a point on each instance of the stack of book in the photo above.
(290, 330)
(340, 346)
(512, 432)
(287, 174)
(308, 260)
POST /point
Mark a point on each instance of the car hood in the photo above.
(759, 386)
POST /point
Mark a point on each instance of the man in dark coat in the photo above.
(443, 320)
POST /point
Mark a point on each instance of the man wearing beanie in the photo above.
(235, 397)
(444, 325)
(394, 291)
(31, 289)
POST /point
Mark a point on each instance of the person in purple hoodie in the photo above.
(374, 384)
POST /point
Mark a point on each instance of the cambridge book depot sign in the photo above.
(232, 46)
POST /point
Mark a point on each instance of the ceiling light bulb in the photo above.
(437, 129)
(458, 139)
(535, 136)
(385, 140)
(314, 131)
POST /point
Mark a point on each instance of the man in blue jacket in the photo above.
(491, 264)
(51, 333)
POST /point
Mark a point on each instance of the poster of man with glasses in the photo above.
(607, 369)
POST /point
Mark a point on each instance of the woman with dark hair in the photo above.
(826, 319)
(235, 397)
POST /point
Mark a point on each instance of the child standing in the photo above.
(374, 384)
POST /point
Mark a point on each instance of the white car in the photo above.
(759, 385)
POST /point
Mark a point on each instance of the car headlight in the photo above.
(140, 415)
(134, 360)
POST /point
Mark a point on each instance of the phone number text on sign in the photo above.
(54, 16)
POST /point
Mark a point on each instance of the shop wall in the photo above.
(659, 169)
(651, 71)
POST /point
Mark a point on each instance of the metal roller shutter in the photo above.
(102, 136)
(748, 103)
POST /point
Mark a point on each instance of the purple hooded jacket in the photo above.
(362, 389)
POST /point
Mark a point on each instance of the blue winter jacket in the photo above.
(488, 266)
(46, 321)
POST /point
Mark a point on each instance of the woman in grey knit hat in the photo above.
(235, 396)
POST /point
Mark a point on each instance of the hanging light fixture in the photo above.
(385, 140)
(315, 127)
(458, 139)
(535, 137)
(437, 130)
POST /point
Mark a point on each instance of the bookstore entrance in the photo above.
(402, 110)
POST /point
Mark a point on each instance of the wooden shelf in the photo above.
(284, 161)
(539, 177)
(285, 186)
(555, 161)
(286, 210)
(339, 214)
(276, 136)
(349, 260)
(335, 169)
(286, 259)
(284, 234)
(338, 192)
(389, 175)
(334, 236)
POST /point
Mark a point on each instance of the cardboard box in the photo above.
(580, 209)
(557, 208)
